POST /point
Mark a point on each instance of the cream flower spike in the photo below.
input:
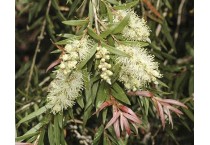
(136, 28)
(64, 90)
(76, 50)
(137, 70)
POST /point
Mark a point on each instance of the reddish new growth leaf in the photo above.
(163, 106)
(54, 63)
(121, 118)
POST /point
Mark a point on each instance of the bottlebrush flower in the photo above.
(137, 70)
(136, 28)
(74, 52)
(63, 91)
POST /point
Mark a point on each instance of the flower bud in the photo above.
(109, 72)
(103, 60)
(62, 65)
(65, 57)
(104, 69)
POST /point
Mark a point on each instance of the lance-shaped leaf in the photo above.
(177, 111)
(136, 128)
(127, 110)
(53, 64)
(114, 118)
(103, 105)
(171, 101)
(161, 113)
(121, 121)
(117, 128)
(126, 124)
(75, 22)
(166, 110)
(131, 117)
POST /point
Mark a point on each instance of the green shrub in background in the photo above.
(104, 72)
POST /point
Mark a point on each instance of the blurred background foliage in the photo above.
(39, 23)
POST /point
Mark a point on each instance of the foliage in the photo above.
(43, 31)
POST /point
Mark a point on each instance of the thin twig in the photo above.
(95, 16)
(40, 38)
(179, 18)
(159, 27)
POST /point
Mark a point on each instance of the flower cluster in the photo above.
(103, 55)
(136, 28)
(75, 51)
(138, 69)
(63, 90)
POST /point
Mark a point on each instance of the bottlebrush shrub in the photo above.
(104, 68)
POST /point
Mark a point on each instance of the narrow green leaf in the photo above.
(34, 114)
(73, 6)
(87, 85)
(51, 134)
(41, 137)
(80, 101)
(108, 31)
(32, 139)
(146, 105)
(60, 120)
(166, 55)
(102, 94)
(113, 136)
(94, 90)
(115, 76)
(70, 36)
(88, 57)
(162, 83)
(35, 128)
(75, 22)
(184, 122)
(71, 114)
(120, 142)
(23, 137)
(63, 42)
(166, 2)
(191, 84)
(172, 136)
(189, 114)
(58, 12)
(90, 14)
(98, 135)
(104, 114)
(102, 8)
(121, 25)
(57, 130)
(94, 35)
(166, 33)
(119, 94)
(87, 114)
(22, 69)
(114, 50)
(111, 41)
(127, 5)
